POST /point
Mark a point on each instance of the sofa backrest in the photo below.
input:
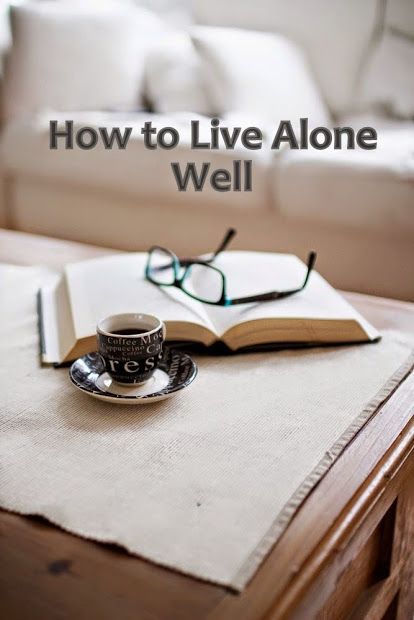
(387, 79)
(335, 34)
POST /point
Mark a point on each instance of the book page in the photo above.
(249, 273)
(116, 284)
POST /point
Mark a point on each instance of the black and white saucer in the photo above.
(175, 371)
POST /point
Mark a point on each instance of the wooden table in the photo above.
(348, 553)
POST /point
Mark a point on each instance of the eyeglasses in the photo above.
(201, 280)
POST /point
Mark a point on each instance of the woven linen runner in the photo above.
(203, 483)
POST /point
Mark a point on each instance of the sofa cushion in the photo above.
(77, 56)
(334, 34)
(173, 79)
(399, 16)
(388, 81)
(264, 76)
(135, 171)
(371, 190)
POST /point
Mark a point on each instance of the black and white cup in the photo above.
(130, 346)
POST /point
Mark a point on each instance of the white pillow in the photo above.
(262, 75)
(399, 15)
(334, 34)
(72, 56)
(173, 78)
(177, 13)
(388, 82)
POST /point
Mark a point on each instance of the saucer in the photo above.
(176, 370)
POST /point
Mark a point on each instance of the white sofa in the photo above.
(356, 208)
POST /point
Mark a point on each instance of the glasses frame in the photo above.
(185, 264)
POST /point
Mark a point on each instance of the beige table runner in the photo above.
(203, 483)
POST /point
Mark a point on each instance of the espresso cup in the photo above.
(130, 346)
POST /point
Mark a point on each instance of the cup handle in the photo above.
(164, 330)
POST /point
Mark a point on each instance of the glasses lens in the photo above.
(204, 282)
(161, 266)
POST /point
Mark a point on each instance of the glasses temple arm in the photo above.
(262, 297)
(279, 294)
(185, 262)
(227, 238)
(310, 265)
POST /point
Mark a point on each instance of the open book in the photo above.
(91, 290)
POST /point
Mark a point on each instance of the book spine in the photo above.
(40, 323)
